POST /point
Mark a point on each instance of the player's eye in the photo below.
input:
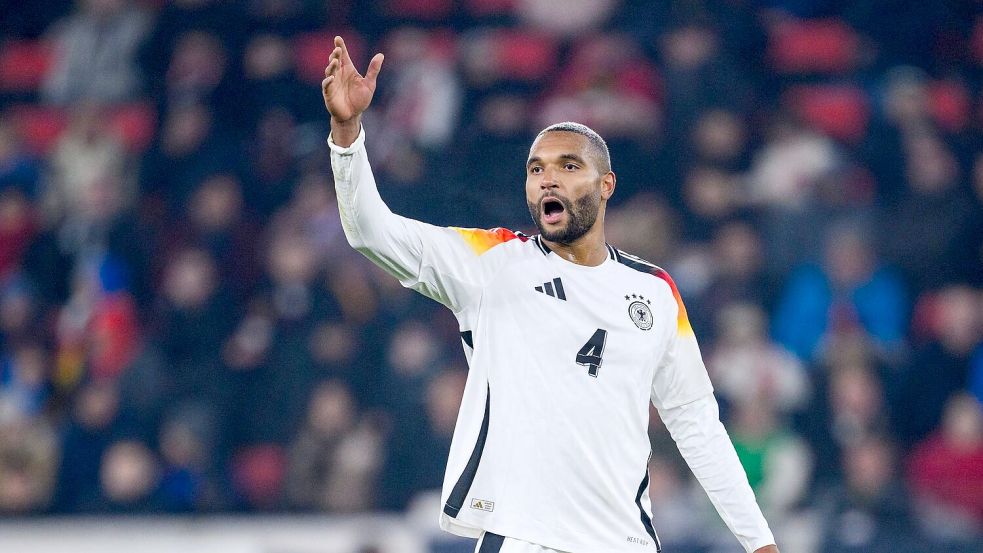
(535, 169)
(571, 167)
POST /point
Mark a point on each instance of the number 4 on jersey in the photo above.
(590, 355)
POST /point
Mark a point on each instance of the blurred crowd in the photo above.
(183, 328)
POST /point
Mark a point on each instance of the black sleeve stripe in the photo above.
(634, 262)
(491, 543)
(646, 519)
(460, 492)
(468, 338)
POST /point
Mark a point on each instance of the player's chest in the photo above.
(599, 321)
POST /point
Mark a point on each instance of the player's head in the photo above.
(568, 181)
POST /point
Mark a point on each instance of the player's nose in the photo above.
(549, 180)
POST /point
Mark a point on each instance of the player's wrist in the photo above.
(344, 132)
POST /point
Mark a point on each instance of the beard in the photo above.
(581, 216)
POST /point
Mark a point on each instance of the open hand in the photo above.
(347, 93)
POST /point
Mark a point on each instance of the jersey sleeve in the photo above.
(439, 262)
(680, 377)
(704, 444)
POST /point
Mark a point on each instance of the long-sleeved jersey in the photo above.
(551, 443)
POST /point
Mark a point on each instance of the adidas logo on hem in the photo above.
(553, 289)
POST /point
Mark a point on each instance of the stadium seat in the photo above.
(257, 474)
(23, 65)
(39, 126)
(840, 111)
(135, 124)
(524, 55)
(951, 104)
(816, 46)
(312, 51)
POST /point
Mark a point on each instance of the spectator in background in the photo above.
(950, 325)
(28, 465)
(576, 17)
(179, 17)
(946, 473)
(419, 446)
(848, 408)
(190, 148)
(218, 222)
(419, 109)
(922, 230)
(609, 85)
(778, 463)
(272, 167)
(186, 454)
(270, 81)
(748, 369)
(783, 182)
(334, 461)
(851, 290)
(18, 168)
(192, 318)
(699, 74)
(905, 114)
(94, 418)
(18, 227)
(96, 51)
(84, 154)
(24, 381)
(869, 511)
(129, 479)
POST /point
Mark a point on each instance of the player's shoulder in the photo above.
(483, 240)
(642, 268)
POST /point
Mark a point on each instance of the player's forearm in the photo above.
(703, 442)
(369, 225)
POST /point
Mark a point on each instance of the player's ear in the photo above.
(608, 183)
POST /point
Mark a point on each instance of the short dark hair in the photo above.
(597, 144)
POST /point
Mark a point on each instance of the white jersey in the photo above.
(551, 443)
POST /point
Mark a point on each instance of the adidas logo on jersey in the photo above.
(553, 289)
(482, 505)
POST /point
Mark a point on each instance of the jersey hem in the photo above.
(585, 545)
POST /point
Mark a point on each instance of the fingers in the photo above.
(374, 67)
(344, 57)
(333, 62)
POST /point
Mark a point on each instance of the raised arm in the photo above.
(438, 262)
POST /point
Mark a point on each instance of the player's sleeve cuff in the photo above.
(359, 143)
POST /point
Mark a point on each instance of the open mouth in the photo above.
(552, 211)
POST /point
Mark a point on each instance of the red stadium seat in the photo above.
(23, 65)
(951, 104)
(135, 125)
(840, 111)
(312, 51)
(817, 46)
(39, 126)
(257, 474)
(524, 55)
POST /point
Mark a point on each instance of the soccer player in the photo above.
(567, 340)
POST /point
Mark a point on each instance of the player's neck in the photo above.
(588, 250)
